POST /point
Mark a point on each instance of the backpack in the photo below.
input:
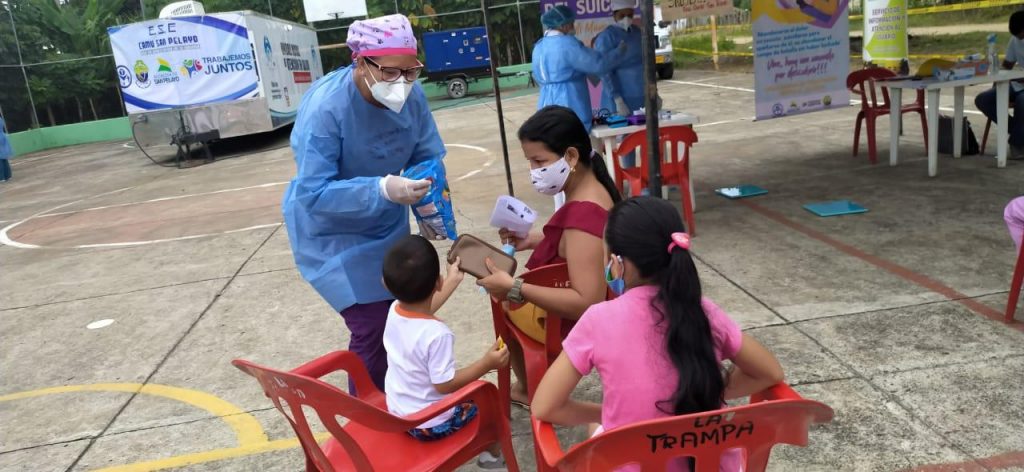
(969, 143)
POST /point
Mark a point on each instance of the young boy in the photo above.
(420, 347)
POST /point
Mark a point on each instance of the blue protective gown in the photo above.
(5, 145)
(561, 64)
(626, 79)
(5, 154)
(339, 224)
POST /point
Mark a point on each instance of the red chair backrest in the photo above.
(329, 403)
(669, 138)
(557, 276)
(862, 82)
(755, 428)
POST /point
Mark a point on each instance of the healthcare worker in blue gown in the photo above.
(561, 64)
(356, 130)
(5, 153)
(622, 88)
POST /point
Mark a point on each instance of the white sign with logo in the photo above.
(184, 61)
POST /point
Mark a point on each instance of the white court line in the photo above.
(6, 240)
(723, 122)
(471, 173)
(724, 87)
(162, 199)
(179, 238)
(852, 101)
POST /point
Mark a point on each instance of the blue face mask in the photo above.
(618, 285)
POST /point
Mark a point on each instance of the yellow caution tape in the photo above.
(956, 7)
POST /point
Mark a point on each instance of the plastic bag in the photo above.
(434, 212)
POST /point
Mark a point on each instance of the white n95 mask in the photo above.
(625, 22)
(390, 94)
(550, 180)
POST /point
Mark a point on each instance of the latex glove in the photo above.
(403, 191)
(621, 108)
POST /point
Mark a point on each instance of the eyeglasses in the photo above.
(391, 74)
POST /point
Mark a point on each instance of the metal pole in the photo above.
(651, 99)
(142, 8)
(522, 41)
(497, 98)
(270, 6)
(21, 62)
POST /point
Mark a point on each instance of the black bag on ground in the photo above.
(969, 144)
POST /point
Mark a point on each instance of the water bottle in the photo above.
(509, 249)
(993, 63)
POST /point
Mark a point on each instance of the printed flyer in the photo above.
(801, 56)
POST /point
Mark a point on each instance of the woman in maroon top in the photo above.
(561, 160)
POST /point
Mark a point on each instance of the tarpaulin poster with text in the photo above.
(885, 31)
(801, 56)
(184, 61)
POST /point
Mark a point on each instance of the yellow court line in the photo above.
(211, 456)
(709, 53)
(247, 430)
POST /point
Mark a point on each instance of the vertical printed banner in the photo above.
(184, 61)
(885, 31)
(801, 56)
(592, 17)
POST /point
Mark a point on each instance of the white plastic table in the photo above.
(933, 89)
(608, 135)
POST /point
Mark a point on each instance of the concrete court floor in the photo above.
(880, 315)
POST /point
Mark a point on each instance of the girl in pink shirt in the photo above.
(658, 347)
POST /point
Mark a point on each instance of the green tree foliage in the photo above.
(69, 88)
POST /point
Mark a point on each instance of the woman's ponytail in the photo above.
(642, 230)
(688, 338)
(601, 172)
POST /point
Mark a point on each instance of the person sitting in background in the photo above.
(1014, 216)
(658, 347)
(986, 101)
(421, 348)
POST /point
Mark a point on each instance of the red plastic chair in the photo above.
(1015, 284)
(675, 168)
(988, 126)
(777, 415)
(374, 439)
(862, 82)
(537, 356)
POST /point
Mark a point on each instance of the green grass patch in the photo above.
(956, 44)
(699, 42)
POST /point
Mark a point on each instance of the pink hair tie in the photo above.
(680, 240)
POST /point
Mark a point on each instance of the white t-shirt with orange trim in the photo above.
(421, 354)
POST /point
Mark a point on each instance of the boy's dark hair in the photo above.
(411, 269)
(1017, 23)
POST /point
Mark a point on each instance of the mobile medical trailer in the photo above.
(201, 77)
